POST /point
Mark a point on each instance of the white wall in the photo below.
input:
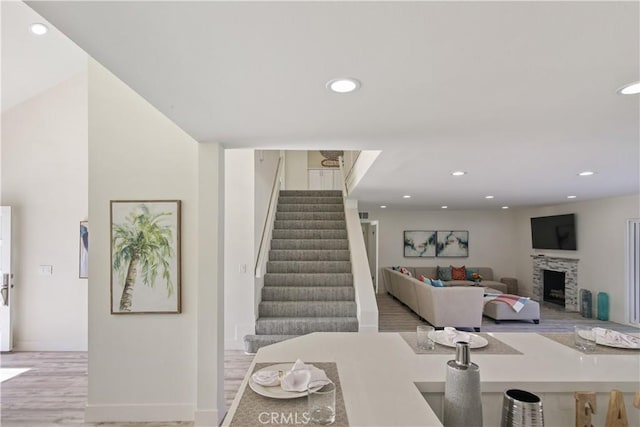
(44, 178)
(600, 231)
(491, 238)
(296, 170)
(153, 367)
(239, 247)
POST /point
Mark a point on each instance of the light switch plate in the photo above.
(45, 270)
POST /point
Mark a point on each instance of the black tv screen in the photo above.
(554, 232)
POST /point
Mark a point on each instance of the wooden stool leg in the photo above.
(636, 400)
(616, 413)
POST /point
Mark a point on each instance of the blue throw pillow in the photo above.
(437, 283)
(396, 268)
(470, 272)
(443, 273)
(425, 280)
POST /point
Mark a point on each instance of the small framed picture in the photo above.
(145, 256)
(84, 250)
(419, 244)
(453, 244)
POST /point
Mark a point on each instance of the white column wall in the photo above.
(153, 367)
(44, 179)
(239, 251)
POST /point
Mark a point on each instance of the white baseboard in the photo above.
(210, 418)
(139, 413)
(49, 346)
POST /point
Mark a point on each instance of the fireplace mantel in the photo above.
(569, 266)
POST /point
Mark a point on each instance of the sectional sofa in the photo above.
(458, 304)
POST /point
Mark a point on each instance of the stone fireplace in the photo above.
(556, 268)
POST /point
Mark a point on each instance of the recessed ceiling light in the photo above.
(383, 206)
(505, 207)
(343, 85)
(444, 207)
(571, 197)
(586, 173)
(406, 196)
(39, 29)
(488, 197)
(458, 173)
(630, 89)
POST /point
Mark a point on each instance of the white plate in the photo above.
(275, 392)
(621, 345)
(441, 338)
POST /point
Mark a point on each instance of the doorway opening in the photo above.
(370, 236)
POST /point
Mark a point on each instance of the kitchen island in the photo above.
(384, 383)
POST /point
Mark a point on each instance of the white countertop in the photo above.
(382, 378)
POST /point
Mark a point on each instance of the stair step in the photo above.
(309, 255)
(308, 279)
(309, 234)
(308, 266)
(253, 343)
(311, 193)
(297, 200)
(310, 216)
(317, 244)
(307, 309)
(304, 325)
(310, 208)
(308, 293)
(309, 225)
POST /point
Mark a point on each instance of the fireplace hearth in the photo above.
(553, 285)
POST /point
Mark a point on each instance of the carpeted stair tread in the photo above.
(304, 325)
(297, 200)
(308, 267)
(309, 234)
(312, 216)
(252, 343)
(313, 244)
(310, 208)
(309, 225)
(308, 293)
(309, 255)
(308, 279)
(311, 193)
(307, 309)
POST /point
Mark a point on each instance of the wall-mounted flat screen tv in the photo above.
(554, 232)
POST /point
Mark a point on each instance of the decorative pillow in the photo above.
(405, 271)
(425, 279)
(470, 272)
(458, 273)
(437, 283)
(443, 273)
(395, 268)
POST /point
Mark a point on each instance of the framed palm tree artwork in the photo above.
(145, 256)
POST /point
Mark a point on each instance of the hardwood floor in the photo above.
(54, 391)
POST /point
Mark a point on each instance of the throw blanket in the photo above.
(515, 301)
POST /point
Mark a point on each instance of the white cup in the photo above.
(322, 402)
(424, 334)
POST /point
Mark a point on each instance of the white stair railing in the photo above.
(267, 230)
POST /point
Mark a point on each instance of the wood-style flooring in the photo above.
(54, 391)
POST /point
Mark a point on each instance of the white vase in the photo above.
(462, 396)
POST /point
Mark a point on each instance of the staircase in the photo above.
(308, 286)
